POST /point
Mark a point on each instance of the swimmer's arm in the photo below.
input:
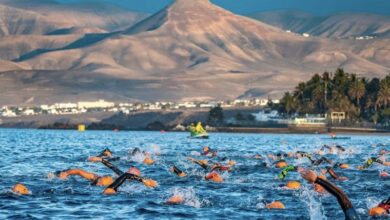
(78, 172)
(384, 163)
(112, 167)
(337, 192)
(334, 175)
(112, 159)
(120, 180)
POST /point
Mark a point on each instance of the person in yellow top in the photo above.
(199, 128)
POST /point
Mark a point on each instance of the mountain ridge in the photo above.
(190, 50)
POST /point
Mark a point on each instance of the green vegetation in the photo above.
(364, 100)
(216, 116)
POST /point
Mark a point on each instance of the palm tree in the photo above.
(357, 90)
(383, 98)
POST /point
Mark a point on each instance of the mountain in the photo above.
(190, 50)
(342, 25)
(48, 18)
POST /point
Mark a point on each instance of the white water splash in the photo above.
(189, 196)
(315, 207)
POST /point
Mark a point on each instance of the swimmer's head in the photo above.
(232, 163)
(134, 171)
(275, 205)
(206, 149)
(20, 189)
(293, 185)
(214, 177)
(175, 200)
(281, 164)
(106, 153)
(382, 152)
(109, 191)
(148, 161)
(104, 181)
(377, 211)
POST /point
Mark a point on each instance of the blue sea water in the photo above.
(28, 156)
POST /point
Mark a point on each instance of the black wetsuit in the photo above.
(319, 161)
(204, 166)
(112, 167)
(342, 198)
(370, 161)
(177, 171)
(332, 173)
(120, 180)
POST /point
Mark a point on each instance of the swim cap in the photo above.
(377, 211)
(104, 181)
(20, 189)
(281, 164)
(275, 205)
(109, 191)
(175, 200)
(344, 166)
(148, 161)
(214, 177)
(232, 162)
(293, 185)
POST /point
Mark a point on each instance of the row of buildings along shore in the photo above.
(126, 108)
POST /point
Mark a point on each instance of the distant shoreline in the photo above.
(167, 121)
(250, 130)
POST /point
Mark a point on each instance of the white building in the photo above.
(99, 104)
(29, 112)
(266, 116)
(63, 105)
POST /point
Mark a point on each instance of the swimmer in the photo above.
(178, 172)
(105, 154)
(93, 178)
(333, 174)
(334, 149)
(208, 152)
(319, 161)
(175, 200)
(275, 205)
(113, 188)
(302, 154)
(286, 170)
(382, 209)
(221, 167)
(371, 161)
(281, 164)
(20, 189)
(214, 176)
(342, 198)
(202, 163)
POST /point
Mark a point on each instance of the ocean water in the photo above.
(28, 156)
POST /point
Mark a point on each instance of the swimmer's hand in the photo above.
(95, 159)
(309, 175)
(149, 183)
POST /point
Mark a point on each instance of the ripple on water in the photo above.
(29, 155)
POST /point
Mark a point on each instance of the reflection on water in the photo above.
(28, 156)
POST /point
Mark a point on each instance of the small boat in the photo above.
(198, 132)
(200, 136)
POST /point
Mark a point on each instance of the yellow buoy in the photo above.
(81, 128)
